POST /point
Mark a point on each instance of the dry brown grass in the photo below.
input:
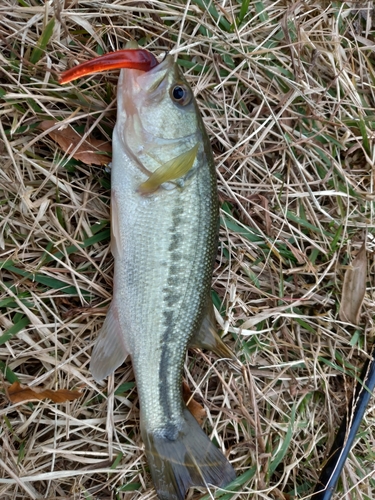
(287, 95)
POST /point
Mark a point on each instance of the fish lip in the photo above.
(164, 68)
(166, 63)
(140, 80)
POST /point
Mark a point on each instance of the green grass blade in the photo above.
(8, 373)
(39, 49)
(286, 443)
(13, 330)
(244, 10)
(210, 7)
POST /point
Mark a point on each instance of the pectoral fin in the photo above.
(170, 171)
(208, 338)
(110, 350)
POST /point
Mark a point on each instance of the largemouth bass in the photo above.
(164, 213)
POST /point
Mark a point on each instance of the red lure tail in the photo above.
(128, 58)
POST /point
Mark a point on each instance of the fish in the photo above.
(164, 239)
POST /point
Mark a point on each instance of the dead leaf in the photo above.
(354, 288)
(19, 393)
(91, 151)
(193, 406)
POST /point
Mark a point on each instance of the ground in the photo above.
(286, 91)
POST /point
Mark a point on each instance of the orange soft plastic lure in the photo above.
(128, 58)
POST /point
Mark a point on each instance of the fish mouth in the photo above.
(136, 87)
(154, 81)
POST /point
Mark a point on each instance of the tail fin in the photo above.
(189, 460)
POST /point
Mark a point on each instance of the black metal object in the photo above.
(348, 429)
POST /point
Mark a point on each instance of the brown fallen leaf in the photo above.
(92, 151)
(19, 393)
(193, 406)
(354, 288)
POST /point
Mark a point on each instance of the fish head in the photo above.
(155, 109)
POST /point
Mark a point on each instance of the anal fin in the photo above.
(110, 350)
(208, 338)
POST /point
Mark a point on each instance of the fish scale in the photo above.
(163, 314)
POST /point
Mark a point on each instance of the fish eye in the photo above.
(181, 94)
